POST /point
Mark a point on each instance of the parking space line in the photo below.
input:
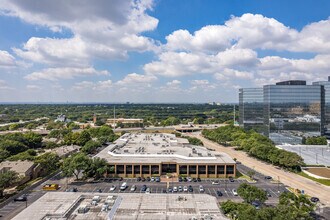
(209, 191)
(273, 192)
(226, 193)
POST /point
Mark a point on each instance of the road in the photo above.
(290, 179)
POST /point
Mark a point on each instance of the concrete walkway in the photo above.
(290, 179)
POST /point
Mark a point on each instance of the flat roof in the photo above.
(63, 205)
(159, 147)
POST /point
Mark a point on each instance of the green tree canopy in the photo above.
(7, 179)
(251, 193)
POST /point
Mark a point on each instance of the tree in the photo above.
(90, 147)
(251, 173)
(49, 162)
(82, 138)
(251, 193)
(7, 179)
(33, 140)
(13, 147)
(98, 168)
(74, 165)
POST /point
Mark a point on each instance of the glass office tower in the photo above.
(292, 111)
(251, 109)
(326, 105)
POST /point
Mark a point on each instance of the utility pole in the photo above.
(278, 184)
(234, 114)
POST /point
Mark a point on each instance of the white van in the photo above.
(123, 186)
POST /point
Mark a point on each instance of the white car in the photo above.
(152, 179)
(235, 192)
(185, 189)
(148, 191)
(189, 179)
(201, 188)
(112, 188)
(215, 182)
(175, 189)
(133, 188)
(105, 207)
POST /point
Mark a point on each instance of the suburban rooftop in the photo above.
(151, 148)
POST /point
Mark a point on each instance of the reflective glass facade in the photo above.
(251, 109)
(292, 112)
(287, 111)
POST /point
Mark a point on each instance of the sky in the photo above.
(158, 51)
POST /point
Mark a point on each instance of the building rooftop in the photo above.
(18, 166)
(159, 147)
(79, 206)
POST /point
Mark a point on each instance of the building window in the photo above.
(202, 169)
(145, 169)
(129, 169)
(136, 169)
(192, 169)
(120, 169)
(169, 168)
(211, 169)
(230, 169)
(183, 169)
(155, 169)
(221, 169)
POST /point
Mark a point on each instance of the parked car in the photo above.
(164, 191)
(219, 193)
(157, 179)
(199, 179)
(143, 179)
(194, 180)
(185, 179)
(138, 179)
(216, 182)
(152, 179)
(201, 188)
(72, 190)
(148, 179)
(235, 192)
(113, 188)
(21, 198)
(268, 193)
(170, 190)
(315, 199)
(268, 177)
(180, 179)
(148, 190)
(256, 204)
(133, 188)
(185, 189)
(143, 188)
(180, 188)
(231, 179)
(189, 179)
(175, 189)
(190, 188)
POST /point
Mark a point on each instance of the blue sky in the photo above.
(157, 51)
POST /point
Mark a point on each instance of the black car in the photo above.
(268, 177)
(72, 190)
(199, 179)
(99, 190)
(190, 188)
(22, 198)
(143, 179)
(180, 179)
(231, 179)
(194, 180)
(121, 179)
(315, 199)
(219, 193)
(164, 191)
(143, 188)
(148, 179)
(158, 179)
(185, 179)
(138, 179)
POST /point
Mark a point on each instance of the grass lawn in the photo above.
(322, 181)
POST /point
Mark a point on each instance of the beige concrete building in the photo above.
(25, 169)
(142, 155)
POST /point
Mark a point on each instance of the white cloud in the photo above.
(134, 78)
(33, 87)
(105, 29)
(55, 74)
(100, 85)
(174, 83)
(6, 60)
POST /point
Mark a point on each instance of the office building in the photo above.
(287, 111)
(143, 155)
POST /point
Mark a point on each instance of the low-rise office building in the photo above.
(26, 170)
(142, 155)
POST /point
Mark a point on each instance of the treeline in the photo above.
(289, 207)
(152, 114)
(255, 144)
(191, 140)
(320, 140)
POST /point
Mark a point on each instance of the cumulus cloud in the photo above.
(54, 74)
(105, 29)
(174, 83)
(134, 78)
(100, 85)
(6, 60)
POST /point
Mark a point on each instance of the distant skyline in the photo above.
(161, 51)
